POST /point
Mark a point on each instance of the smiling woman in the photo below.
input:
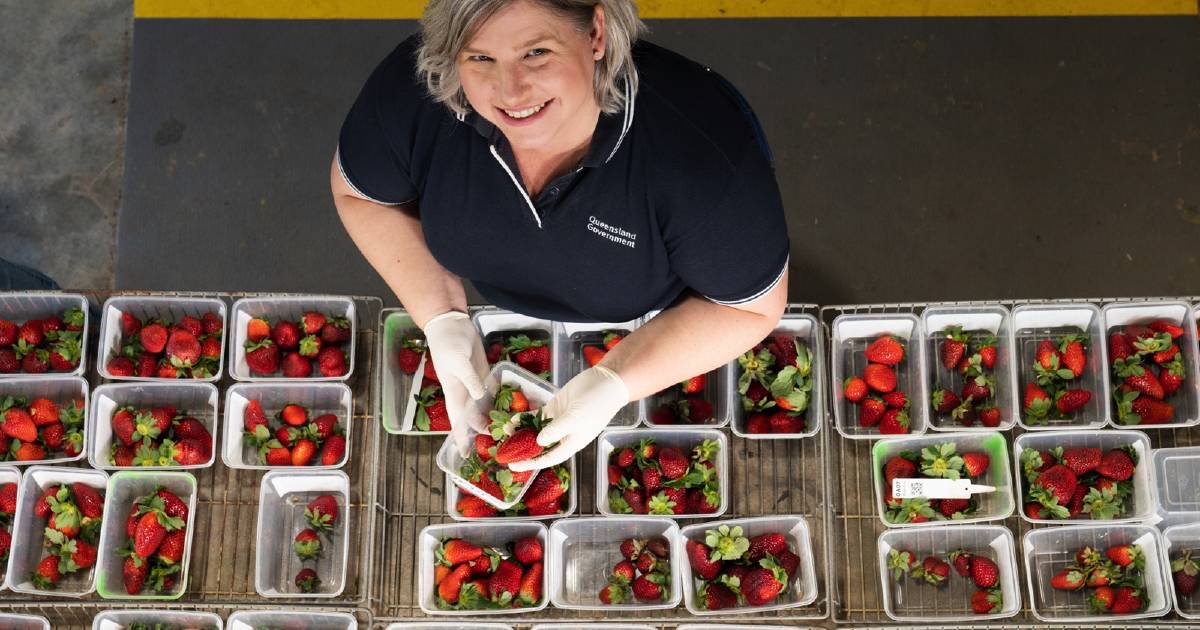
(572, 171)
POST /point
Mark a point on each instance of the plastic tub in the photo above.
(319, 398)
(1034, 322)
(166, 308)
(801, 591)
(851, 334)
(450, 459)
(683, 439)
(1187, 399)
(60, 390)
(8, 474)
(1176, 539)
(992, 506)
(1141, 504)
(396, 387)
(10, 621)
(121, 619)
(199, 400)
(912, 600)
(1177, 475)
(1050, 550)
(978, 322)
(290, 308)
(570, 339)
(27, 531)
(19, 307)
(497, 535)
(589, 626)
(124, 488)
(448, 625)
(250, 620)
(453, 494)
(282, 498)
(583, 551)
(494, 324)
(808, 330)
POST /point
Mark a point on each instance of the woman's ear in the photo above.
(598, 35)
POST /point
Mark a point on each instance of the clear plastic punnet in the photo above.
(1177, 476)
(198, 400)
(122, 619)
(283, 497)
(253, 620)
(1179, 539)
(8, 474)
(807, 330)
(291, 308)
(318, 398)
(498, 535)
(1186, 400)
(849, 337)
(60, 390)
(570, 339)
(684, 440)
(396, 394)
(583, 551)
(912, 600)
(496, 324)
(20, 307)
(1033, 323)
(143, 307)
(1049, 551)
(572, 496)
(980, 323)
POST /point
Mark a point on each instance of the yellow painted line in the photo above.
(652, 9)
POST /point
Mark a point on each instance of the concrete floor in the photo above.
(63, 84)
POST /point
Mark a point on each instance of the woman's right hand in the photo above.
(457, 353)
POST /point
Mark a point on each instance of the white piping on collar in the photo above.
(520, 188)
(759, 294)
(626, 124)
(337, 155)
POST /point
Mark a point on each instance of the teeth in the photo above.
(524, 113)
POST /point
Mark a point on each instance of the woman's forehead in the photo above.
(520, 25)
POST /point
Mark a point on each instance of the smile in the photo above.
(524, 114)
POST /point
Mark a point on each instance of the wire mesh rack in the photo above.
(221, 577)
(855, 590)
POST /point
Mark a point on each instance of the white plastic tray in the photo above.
(1034, 322)
(683, 439)
(282, 498)
(1187, 399)
(121, 619)
(167, 308)
(490, 320)
(198, 400)
(247, 620)
(583, 551)
(19, 307)
(850, 335)
(995, 320)
(291, 308)
(318, 398)
(8, 474)
(808, 330)
(497, 535)
(60, 390)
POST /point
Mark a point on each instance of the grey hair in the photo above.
(448, 25)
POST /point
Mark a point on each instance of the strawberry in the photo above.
(1151, 411)
(64, 355)
(36, 362)
(333, 450)
(505, 582)
(1128, 600)
(699, 557)
(171, 549)
(52, 435)
(1125, 555)
(1037, 402)
(944, 400)
(1116, 464)
(312, 322)
(409, 356)
(262, 357)
(5, 544)
(612, 338)
(1074, 357)
(896, 400)
(519, 402)
(8, 498)
(307, 544)
(1184, 571)
(154, 337)
(614, 594)
(872, 412)
(987, 354)
(673, 463)
(455, 551)
(521, 445)
(191, 428)
(89, 502)
(336, 331)
(210, 347)
(124, 426)
(765, 544)
(646, 562)
(785, 422)
(449, 587)
(191, 325)
(18, 424)
(933, 570)
(717, 596)
(855, 389)
(954, 345)
(258, 329)
(693, 385)
(331, 362)
(894, 421)
(8, 333)
(649, 588)
(989, 416)
(211, 323)
(47, 573)
(1102, 599)
(879, 377)
(899, 468)
(530, 589)
(173, 506)
(549, 485)
(593, 355)
(1166, 326)
(950, 507)
(531, 354)
(322, 512)
(961, 561)
(1071, 400)
(28, 452)
(134, 572)
(149, 534)
(471, 506)
(294, 365)
(43, 411)
(528, 550)
(303, 452)
(987, 602)
(307, 580)
(763, 584)
(1119, 347)
(984, 572)
(758, 423)
(9, 364)
(188, 452)
(1143, 380)
(1164, 356)
(182, 349)
(1055, 486)
(1081, 460)
(294, 415)
(887, 350)
(975, 463)
(1047, 356)
(286, 335)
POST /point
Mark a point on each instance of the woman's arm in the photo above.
(391, 239)
(691, 338)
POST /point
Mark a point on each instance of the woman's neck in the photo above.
(539, 166)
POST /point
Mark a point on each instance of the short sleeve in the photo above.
(737, 248)
(369, 159)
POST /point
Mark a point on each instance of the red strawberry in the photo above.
(1164, 356)
(649, 588)
(855, 389)
(409, 356)
(294, 415)
(455, 551)
(88, 500)
(471, 506)
(1152, 411)
(8, 333)
(188, 452)
(635, 499)
(975, 463)
(763, 584)
(52, 435)
(262, 357)
(984, 572)
(887, 350)
(450, 586)
(29, 451)
(896, 400)
(307, 580)
(530, 590)
(1081, 460)
(303, 452)
(1047, 355)
(1124, 555)
(1071, 400)
(987, 356)
(253, 416)
(549, 485)
(149, 534)
(1184, 571)
(693, 385)
(528, 550)
(43, 411)
(763, 544)
(1143, 380)
(286, 335)
(899, 468)
(880, 378)
(258, 329)
(758, 423)
(36, 362)
(872, 412)
(154, 337)
(1037, 402)
(172, 505)
(986, 602)
(1128, 600)
(322, 512)
(785, 422)
(1074, 357)
(933, 570)
(295, 366)
(1116, 464)
(673, 462)
(47, 573)
(307, 544)
(1055, 486)
(894, 421)
(950, 507)
(944, 400)
(989, 416)
(333, 450)
(312, 322)
(10, 364)
(1119, 347)
(183, 349)
(8, 498)
(505, 581)
(18, 424)
(171, 549)
(702, 564)
(961, 561)
(134, 572)
(274, 454)
(331, 362)
(954, 345)
(521, 445)
(336, 331)
(211, 323)
(535, 358)
(717, 596)
(593, 355)
(614, 594)
(1167, 326)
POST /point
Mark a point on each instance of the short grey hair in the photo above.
(448, 25)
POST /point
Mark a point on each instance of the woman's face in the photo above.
(529, 72)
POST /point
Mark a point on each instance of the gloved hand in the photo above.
(580, 411)
(458, 357)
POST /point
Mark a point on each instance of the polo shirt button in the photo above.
(554, 191)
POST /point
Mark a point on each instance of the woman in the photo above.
(571, 172)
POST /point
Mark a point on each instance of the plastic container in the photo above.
(683, 439)
(851, 334)
(801, 590)
(19, 307)
(318, 398)
(60, 390)
(1034, 322)
(166, 308)
(991, 506)
(913, 600)
(450, 459)
(448, 625)
(497, 535)
(453, 494)
(1177, 476)
(978, 322)
(396, 387)
(282, 498)
(808, 330)
(1176, 540)
(570, 338)
(291, 308)
(583, 551)
(1050, 550)
(494, 324)
(8, 474)
(27, 531)
(251, 620)
(1187, 399)
(1140, 506)
(198, 400)
(10, 621)
(124, 488)
(122, 619)
(589, 626)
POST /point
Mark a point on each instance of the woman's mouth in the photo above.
(524, 115)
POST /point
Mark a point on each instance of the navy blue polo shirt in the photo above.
(676, 192)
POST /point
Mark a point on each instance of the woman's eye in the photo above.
(479, 58)
(538, 52)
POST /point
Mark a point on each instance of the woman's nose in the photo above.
(513, 85)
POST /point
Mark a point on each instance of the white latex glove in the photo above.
(580, 411)
(458, 357)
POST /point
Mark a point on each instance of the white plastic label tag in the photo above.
(937, 488)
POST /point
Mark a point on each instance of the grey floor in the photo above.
(919, 159)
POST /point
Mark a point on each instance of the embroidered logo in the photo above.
(611, 232)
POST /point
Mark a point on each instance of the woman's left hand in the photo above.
(580, 411)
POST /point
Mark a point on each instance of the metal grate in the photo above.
(855, 590)
(221, 577)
